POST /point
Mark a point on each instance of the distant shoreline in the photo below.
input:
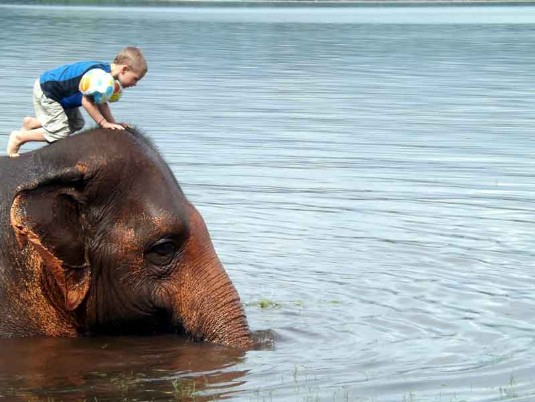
(430, 2)
(332, 2)
(279, 3)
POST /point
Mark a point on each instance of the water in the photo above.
(366, 174)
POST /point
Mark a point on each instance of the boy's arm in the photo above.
(106, 112)
(100, 114)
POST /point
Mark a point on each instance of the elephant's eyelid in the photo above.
(162, 252)
(164, 240)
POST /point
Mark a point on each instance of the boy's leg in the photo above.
(17, 138)
(29, 123)
(50, 124)
(76, 120)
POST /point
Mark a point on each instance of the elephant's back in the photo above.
(13, 172)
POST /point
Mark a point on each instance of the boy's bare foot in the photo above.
(13, 145)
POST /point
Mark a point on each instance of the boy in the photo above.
(57, 98)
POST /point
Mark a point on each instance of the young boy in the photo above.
(57, 98)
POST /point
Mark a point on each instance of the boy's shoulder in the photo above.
(72, 70)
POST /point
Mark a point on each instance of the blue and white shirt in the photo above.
(62, 83)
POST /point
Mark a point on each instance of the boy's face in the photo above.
(128, 77)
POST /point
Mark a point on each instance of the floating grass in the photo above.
(184, 389)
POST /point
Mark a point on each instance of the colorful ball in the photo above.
(117, 92)
(98, 84)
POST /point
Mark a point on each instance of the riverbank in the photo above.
(266, 3)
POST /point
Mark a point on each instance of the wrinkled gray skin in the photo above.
(96, 237)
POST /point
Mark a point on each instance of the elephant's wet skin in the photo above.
(159, 322)
(96, 236)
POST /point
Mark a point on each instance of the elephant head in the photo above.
(102, 240)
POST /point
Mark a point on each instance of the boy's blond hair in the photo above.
(133, 58)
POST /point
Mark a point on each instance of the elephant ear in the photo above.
(47, 216)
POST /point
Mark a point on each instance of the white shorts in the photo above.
(57, 122)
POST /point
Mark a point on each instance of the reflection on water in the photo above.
(129, 368)
(366, 174)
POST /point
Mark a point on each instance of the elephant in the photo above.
(97, 237)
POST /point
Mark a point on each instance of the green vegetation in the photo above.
(264, 303)
(271, 304)
(184, 389)
(509, 391)
(305, 389)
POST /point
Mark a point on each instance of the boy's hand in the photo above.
(113, 126)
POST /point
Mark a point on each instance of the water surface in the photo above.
(366, 174)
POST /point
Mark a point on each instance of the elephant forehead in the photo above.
(149, 193)
(151, 212)
(124, 233)
(149, 224)
(82, 167)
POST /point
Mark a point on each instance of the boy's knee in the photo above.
(76, 124)
(29, 123)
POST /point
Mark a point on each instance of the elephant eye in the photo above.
(162, 252)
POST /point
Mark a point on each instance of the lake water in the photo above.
(367, 175)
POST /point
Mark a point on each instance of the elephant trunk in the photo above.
(212, 311)
(207, 305)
